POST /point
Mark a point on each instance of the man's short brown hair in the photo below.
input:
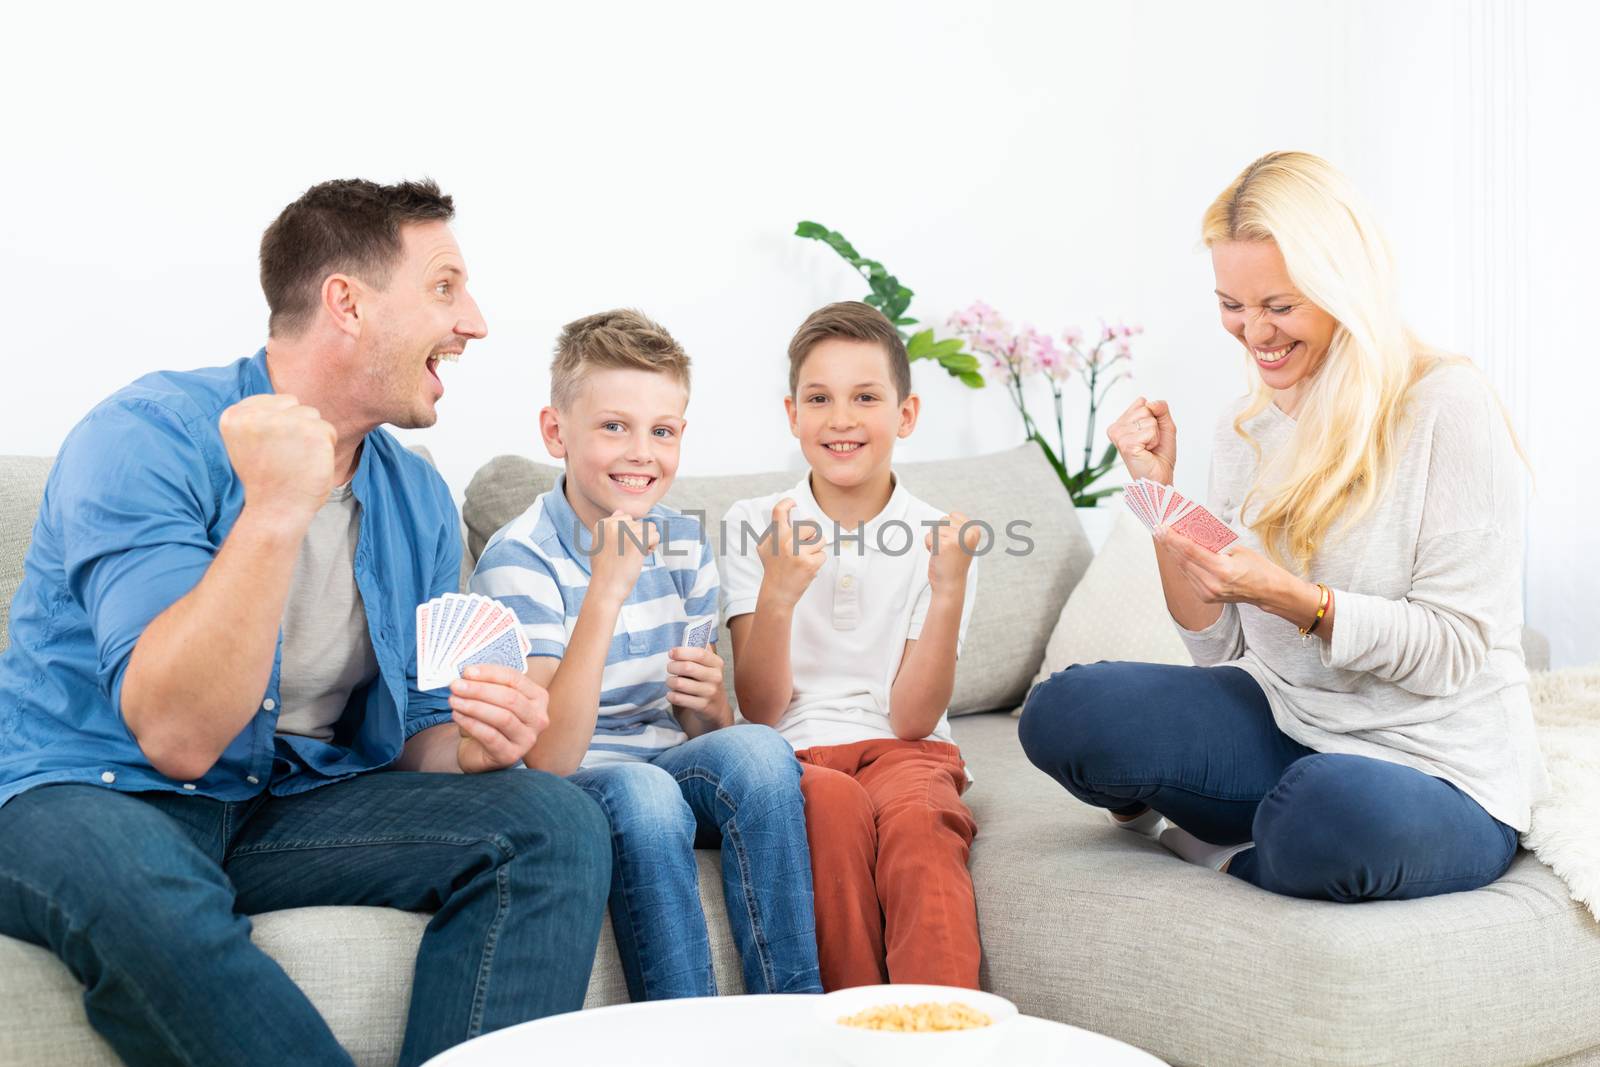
(853, 321)
(623, 339)
(347, 226)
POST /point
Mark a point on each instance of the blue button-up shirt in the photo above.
(139, 502)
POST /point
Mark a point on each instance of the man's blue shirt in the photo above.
(139, 502)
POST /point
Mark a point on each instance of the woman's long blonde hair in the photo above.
(1350, 424)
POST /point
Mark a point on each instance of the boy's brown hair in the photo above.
(853, 321)
(623, 339)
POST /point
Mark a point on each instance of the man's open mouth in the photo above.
(438, 358)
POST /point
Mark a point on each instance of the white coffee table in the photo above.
(774, 1031)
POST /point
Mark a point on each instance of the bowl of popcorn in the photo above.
(914, 1025)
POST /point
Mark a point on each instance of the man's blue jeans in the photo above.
(144, 897)
(741, 784)
(1199, 745)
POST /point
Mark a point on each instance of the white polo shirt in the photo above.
(852, 624)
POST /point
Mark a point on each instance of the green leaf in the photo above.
(959, 362)
(948, 347)
(919, 344)
(836, 241)
(1050, 455)
(898, 301)
(887, 284)
(903, 321)
(972, 379)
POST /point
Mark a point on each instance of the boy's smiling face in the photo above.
(846, 414)
(620, 439)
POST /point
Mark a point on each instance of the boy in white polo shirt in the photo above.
(847, 599)
(610, 588)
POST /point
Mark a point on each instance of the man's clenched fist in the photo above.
(282, 451)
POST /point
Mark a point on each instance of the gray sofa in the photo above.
(1081, 923)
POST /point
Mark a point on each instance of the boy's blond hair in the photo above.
(622, 339)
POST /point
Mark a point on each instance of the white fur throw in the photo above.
(1566, 823)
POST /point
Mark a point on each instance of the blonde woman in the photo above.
(1358, 724)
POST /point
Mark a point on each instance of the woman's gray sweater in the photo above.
(1425, 667)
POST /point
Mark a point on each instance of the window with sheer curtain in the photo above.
(1526, 161)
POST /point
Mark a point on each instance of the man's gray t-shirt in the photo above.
(327, 653)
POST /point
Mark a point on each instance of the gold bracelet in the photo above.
(1322, 609)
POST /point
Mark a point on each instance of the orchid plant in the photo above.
(1017, 356)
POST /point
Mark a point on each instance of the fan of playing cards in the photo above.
(455, 632)
(1161, 505)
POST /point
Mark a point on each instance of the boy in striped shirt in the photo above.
(608, 584)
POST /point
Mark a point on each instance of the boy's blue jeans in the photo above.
(1199, 745)
(144, 897)
(741, 783)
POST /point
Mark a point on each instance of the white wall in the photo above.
(1052, 159)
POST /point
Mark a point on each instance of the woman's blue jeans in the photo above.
(144, 897)
(1199, 745)
(741, 784)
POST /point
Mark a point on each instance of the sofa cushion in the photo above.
(22, 481)
(1019, 596)
(1118, 610)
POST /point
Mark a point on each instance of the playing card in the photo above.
(424, 618)
(446, 611)
(1133, 496)
(503, 651)
(1152, 497)
(697, 633)
(1205, 530)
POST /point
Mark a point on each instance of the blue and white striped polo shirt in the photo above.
(538, 566)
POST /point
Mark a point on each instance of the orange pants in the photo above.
(889, 841)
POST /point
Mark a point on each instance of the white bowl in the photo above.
(888, 1048)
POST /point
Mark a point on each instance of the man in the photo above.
(213, 651)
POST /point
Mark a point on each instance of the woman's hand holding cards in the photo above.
(1147, 439)
(1241, 576)
(500, 712)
